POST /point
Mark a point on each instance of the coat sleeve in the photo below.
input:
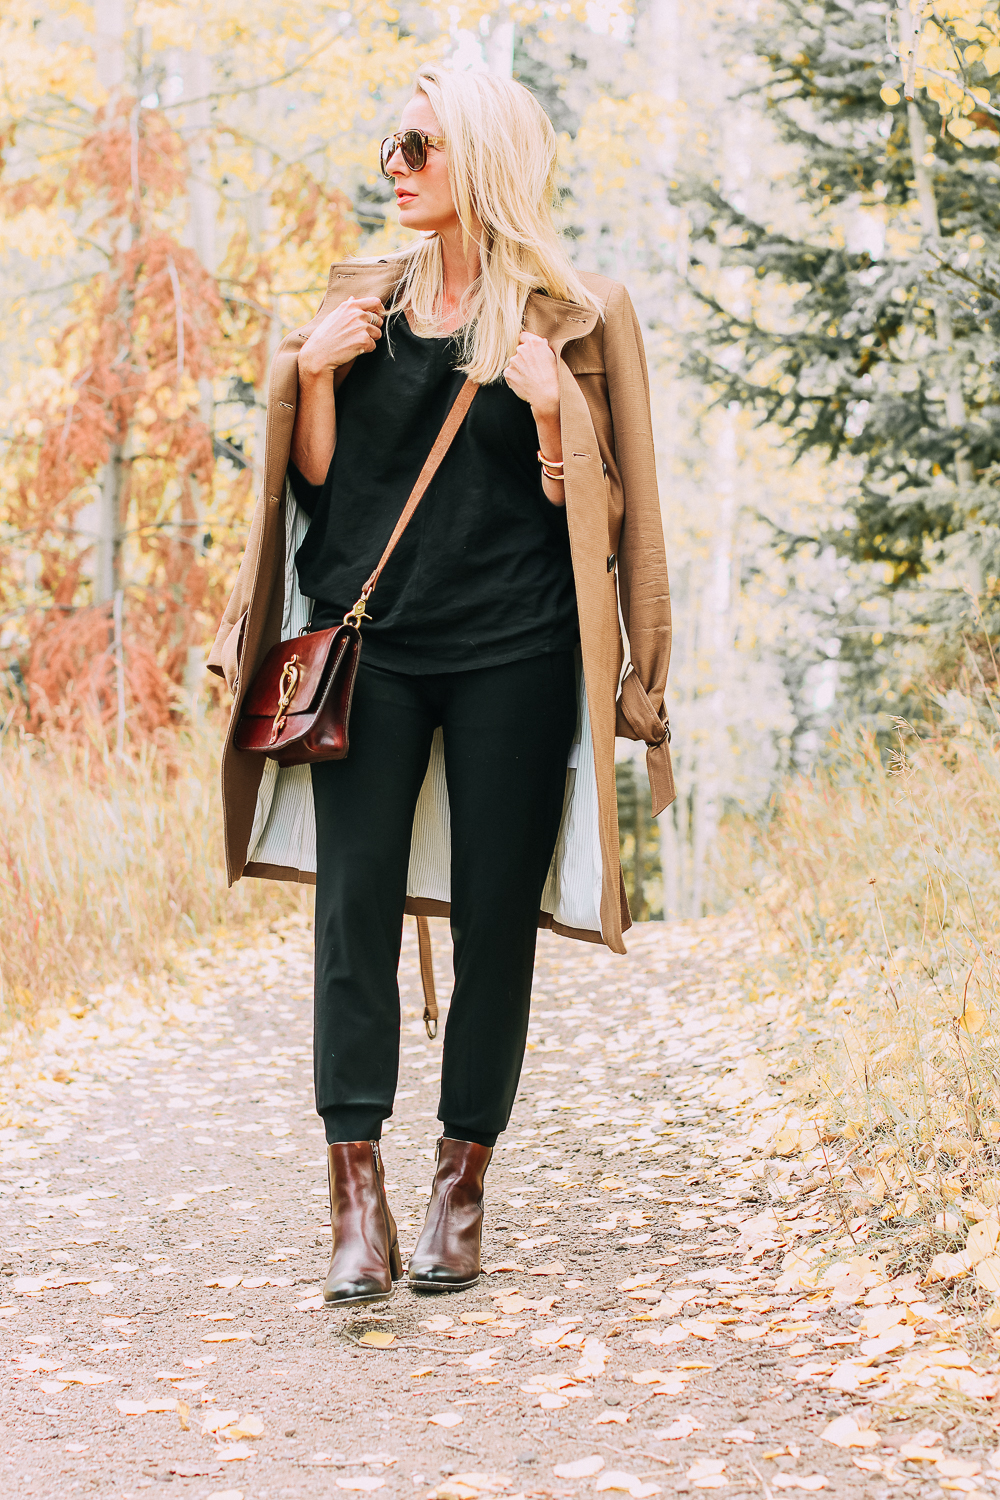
(642, 566)
(224, 655)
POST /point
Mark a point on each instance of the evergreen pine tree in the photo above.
(876, 332)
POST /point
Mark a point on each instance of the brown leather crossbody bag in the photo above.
(298, 708)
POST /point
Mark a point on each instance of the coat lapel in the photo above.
(559, 322)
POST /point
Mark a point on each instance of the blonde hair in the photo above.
(502, 167)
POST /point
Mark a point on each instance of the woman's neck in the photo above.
(460, 268)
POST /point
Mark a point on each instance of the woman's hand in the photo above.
(351, 329)
(533, 374)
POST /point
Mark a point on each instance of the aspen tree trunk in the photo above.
(259, 221)
(500, 44)
(203, 208)
(675, 821)
(663, 30)
(716, 632)
(715, 629)
(669, 860)
(639, 858)
(203, 200)
(930, 229)
(109, 18)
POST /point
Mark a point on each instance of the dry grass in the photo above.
(877, 889)
(108, 866)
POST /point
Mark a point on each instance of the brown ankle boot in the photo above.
(365, 1260)
(447, 1255)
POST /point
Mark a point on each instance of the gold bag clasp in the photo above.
(288, 682)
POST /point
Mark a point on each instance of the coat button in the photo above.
(611, 562)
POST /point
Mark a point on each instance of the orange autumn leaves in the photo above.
(139, 335)
(127, 397)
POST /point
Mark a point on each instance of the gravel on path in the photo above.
(166, 1228)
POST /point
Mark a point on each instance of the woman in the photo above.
(480, 777)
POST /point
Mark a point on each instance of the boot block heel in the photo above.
(395, 1262)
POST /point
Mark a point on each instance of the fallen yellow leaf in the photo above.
(681, 1427)
(629, 1483)
(218, 1421)
(580, 1468)
(982, 1240)
(708, 1474)
(958, 1468)
(231, 1452)
(248, 1426)
(988, 1273)
(844, 1432)
(972, 1019)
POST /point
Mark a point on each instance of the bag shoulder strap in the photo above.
(426, 957)
(444, 440)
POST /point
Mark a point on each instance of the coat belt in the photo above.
(638, 719)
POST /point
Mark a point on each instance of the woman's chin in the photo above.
(413, 218)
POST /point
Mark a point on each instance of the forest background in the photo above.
(804, 209)
(803, 198)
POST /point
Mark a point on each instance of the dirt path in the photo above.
(165, 1234)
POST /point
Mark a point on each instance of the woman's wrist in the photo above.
(311, 369)
(549, 435)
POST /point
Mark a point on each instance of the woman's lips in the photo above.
(402, 198)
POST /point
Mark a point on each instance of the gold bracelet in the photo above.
(552, 468)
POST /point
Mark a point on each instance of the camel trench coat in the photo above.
(616, 540)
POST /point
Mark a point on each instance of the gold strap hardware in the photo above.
(358, 612)
(427, 977)
(291, 674)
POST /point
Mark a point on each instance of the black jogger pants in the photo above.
(507, 734)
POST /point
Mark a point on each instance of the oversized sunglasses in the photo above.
(412, 144)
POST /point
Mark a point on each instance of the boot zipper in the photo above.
(384, 1202)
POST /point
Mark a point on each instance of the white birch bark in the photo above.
(203, 200)
(930, 229)
(260, 228)
(203, 211)
(663, 28)
(500, 44)
(109, 18)
(109, 50)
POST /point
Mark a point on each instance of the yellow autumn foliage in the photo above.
(877, 890)
(953, 40)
